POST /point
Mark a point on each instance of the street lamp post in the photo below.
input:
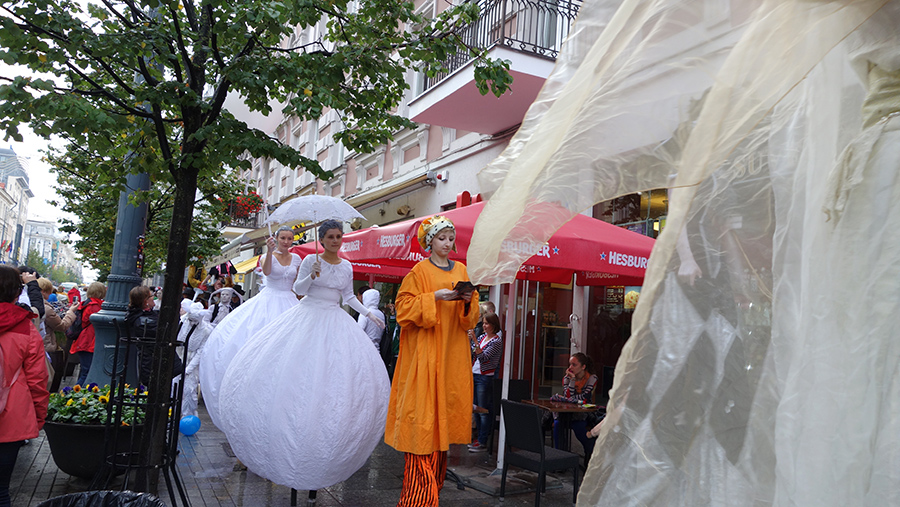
(124, 274)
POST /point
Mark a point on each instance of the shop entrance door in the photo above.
(542, 336)
(525, 333)
(555, 343)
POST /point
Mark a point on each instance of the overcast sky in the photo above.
(42, 182)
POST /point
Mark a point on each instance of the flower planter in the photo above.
(79, 449)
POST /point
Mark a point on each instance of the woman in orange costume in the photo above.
(431, 395)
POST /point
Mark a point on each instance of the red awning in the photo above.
(597, 252)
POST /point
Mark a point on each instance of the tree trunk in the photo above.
(154, 447)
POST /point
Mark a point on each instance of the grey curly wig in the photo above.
(328, 225)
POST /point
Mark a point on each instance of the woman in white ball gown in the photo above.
(280, 267)
(304, 403)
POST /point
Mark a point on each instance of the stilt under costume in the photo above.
(303, 403)
(235, 330)
(431, 395)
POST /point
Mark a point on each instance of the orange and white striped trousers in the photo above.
(423, 478)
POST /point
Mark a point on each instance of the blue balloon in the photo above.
(189, 425)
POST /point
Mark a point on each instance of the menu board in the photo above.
(615, 295)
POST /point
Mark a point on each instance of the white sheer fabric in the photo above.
(230, 335)
(762, 367)
(304, 402)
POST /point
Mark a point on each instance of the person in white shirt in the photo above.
(370, 300)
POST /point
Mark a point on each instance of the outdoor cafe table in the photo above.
(565, 411)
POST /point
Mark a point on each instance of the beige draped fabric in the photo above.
(761, 368)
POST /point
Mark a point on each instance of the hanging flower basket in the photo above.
(244, 205)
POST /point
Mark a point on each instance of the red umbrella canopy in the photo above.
(362, 269)
(600, 253)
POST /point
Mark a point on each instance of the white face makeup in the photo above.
(284, 240)
(332, 239)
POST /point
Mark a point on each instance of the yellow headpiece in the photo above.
(430, 227)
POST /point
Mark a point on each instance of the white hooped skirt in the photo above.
(304, 402)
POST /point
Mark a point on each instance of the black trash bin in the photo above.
(104, 499)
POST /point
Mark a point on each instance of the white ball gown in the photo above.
(232, 333)
(304, 403)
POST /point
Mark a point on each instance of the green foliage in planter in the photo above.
(88, 405)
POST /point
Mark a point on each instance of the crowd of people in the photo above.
(416, 371)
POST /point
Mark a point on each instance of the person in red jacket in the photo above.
(84, 345)
(24, 371)
(74, 295)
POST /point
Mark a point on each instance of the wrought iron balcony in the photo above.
(245, 221)
(536, 27)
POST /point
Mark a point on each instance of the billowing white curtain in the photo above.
(764, 362)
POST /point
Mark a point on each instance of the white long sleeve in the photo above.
(304, 276)
(350, 299)
(304, 281)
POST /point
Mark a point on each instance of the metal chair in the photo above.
(525, 448)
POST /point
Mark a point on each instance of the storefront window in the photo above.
(608, 328)
(643, 212)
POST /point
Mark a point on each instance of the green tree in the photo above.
(60, 274)
(57, 274)
(34, 260)
(188, 56)
(91, 196)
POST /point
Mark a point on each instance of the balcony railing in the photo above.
(251, 221)
(537, 27)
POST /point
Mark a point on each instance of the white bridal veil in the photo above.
(764, 366)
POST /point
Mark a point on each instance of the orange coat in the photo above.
(431, 394)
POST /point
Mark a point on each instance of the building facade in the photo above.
(44, 238)
(429, 169)
(423, 171)
(14, 196)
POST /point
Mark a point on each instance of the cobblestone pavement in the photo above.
(208, 471)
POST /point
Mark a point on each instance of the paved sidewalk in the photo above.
(207, 469)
